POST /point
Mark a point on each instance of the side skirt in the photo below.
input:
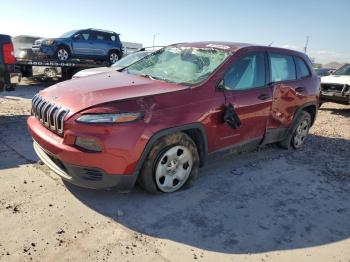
(246, 146)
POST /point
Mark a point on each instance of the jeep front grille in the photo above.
(49, 114)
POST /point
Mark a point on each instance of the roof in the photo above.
(233, 46)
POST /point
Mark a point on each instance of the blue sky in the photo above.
(285, 23)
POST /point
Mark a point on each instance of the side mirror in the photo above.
(76, 37)
(221, 85)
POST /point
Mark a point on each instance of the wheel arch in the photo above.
(195, 131)
(310, 108)
(120, 53)
(65, 45)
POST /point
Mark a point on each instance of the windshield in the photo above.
(344, 70)
(130, 59)
(68, 34)
(186, 65)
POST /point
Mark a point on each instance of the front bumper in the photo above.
(43, 50)
(80, 167)
(88, 177)
(338, 97)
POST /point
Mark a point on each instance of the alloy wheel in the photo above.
(113, 57)
(62, 55)
(300, 134)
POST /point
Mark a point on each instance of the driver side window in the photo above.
(248, 72)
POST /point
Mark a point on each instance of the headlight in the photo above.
(48, 42)
(109, 118)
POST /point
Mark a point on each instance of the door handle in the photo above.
(264, 96)
(300, 89)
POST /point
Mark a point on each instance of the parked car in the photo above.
(83, 44)
(122, 63)
(336, 87)
(158, 119)
(324, 71)
(8, 74)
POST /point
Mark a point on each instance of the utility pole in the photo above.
(306, 44)
(154, 39)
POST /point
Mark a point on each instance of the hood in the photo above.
(93, 71)
(79, 94)
(39, 41)
(336, 79)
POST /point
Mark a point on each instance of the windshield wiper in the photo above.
(154, 77)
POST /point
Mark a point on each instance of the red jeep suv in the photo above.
(156, 121)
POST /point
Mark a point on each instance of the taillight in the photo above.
(7, 51)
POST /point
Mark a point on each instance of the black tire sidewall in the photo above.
(147, 177)
(303, 116)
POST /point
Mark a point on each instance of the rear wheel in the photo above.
(299, 131)
(113, 57)
(171, 164)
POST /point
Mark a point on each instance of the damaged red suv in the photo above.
(158, 119)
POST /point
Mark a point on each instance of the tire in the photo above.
(298, 131)
(113, 56)
(171, 164)
(62, 53)
(50, 73)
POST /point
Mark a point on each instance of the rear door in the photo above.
(247, 89)
(288, 93)
(102, 43)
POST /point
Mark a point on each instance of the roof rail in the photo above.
(101, 30)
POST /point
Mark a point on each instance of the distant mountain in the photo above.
(334, 65)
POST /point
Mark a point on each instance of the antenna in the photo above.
(306, 44)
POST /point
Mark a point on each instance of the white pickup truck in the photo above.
(336, 87)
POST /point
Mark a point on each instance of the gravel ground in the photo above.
(266, 205)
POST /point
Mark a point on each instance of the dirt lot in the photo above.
(267, 205)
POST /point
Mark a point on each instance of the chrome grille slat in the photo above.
(45, 115)
(38, 109)
(53, 112)
(41, 112)
(36, 106)
(49, 114)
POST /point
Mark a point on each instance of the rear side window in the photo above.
(248, 72)
(302, 69)
(100, 36)
(282, 67)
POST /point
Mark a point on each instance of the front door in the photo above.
(82, 44)
(246, 88)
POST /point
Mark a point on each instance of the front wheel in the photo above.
(62, 54)
(172, 163)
